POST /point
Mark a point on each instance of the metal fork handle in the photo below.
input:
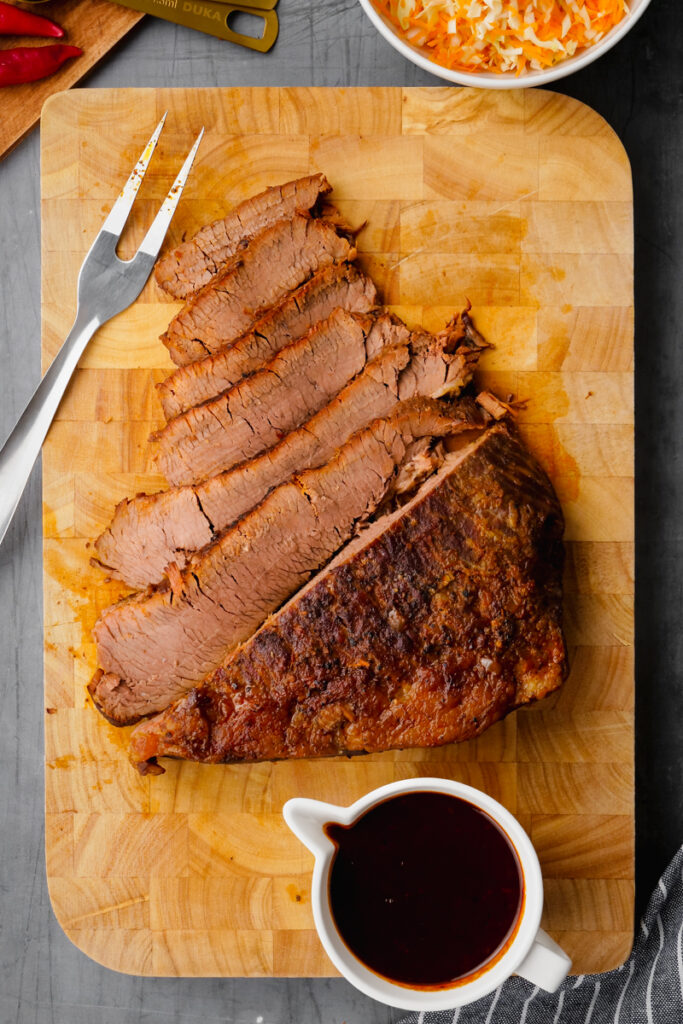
(22, 447)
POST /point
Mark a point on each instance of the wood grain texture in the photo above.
(194, 873)
(94, 25)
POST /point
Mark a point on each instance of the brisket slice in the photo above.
(258, 412)
(149, 532)
(153, 647)
(341, 286)
(274, 263)
(186, 269)
(426, 629)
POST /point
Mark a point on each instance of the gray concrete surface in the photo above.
(638, 88)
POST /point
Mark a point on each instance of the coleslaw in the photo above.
(502, 35)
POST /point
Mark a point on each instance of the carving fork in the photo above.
(106, 286)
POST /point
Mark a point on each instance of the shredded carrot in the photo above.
(502, 35)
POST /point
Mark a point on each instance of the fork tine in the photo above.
(154, 238)
(118, 215)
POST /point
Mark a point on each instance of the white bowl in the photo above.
(508, 79)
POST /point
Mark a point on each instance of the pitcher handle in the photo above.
(546, 964)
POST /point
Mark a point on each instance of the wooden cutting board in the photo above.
(520, 202)
(95, 26)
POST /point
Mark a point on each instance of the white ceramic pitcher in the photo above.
(531, 954)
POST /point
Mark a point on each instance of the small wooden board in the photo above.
(94, 25)
(520, 202)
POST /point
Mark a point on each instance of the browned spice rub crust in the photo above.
(425, 630)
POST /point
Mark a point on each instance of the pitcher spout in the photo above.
(307, 818)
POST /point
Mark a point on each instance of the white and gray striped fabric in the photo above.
(648, 989)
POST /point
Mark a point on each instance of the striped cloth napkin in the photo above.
(648, 988)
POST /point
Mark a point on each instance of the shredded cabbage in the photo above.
(502, 35)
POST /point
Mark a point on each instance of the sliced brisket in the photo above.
(428, 628)
(341, 286)
(258, 412)
(185, 270)
(149, 532)
(154, 647)
(275, 262)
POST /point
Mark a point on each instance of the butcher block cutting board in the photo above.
(95, 26)
(520, 202)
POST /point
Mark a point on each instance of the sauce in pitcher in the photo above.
(425, 889)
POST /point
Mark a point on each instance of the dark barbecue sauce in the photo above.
(425, 888)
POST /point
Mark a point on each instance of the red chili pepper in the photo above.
(14, 22)
(29, 63)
